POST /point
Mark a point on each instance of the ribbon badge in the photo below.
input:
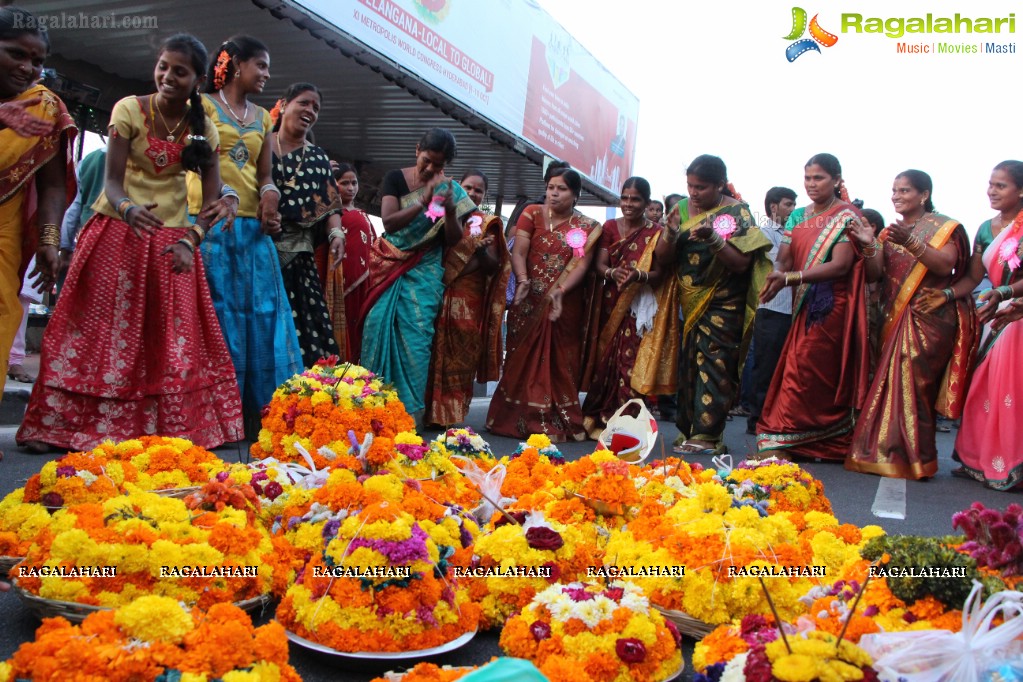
(725, 226)
(474, 226)
(804, 45)
(576, 238)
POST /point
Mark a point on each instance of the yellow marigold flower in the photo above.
(5, 671)
(389, 486)
(408, 438)
(194, 677)
(154, 619)
(816, 520)
(868, 533)
(795, 668)
(127, 448)
(538, 441)
(48, 475)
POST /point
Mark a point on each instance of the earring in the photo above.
(237, 74)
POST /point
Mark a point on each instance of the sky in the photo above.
(712, 77)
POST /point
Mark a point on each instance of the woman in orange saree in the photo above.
(632, 257)
(36, 179)
(539, 389)
(925, 352)
(467, 341)
(822, 375)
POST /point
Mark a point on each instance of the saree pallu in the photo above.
(345, 288)
(132, 349)
(404, 296)
(467, 341)
(989, 444)
(245, 283)
(822, 375)
(20, 159)
(922, 356)
(718, 309)
(310, 314)
(609, 384)
(539, 389)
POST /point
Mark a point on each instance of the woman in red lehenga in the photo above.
(632, 257)
(539, 389)
(346, 287)
(467, 338)
(134, 347)
(822, 375)
(925, 352)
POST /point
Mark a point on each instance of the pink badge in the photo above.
(474, 226)
(436, 209)
(1007, 252)
(576, 238)
(725, 226)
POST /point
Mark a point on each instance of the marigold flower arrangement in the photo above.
(665, 481)
(155, 638)
(331, 405)
(530, 470)
(157, 546)
(428, 672)
(602, 480)
(467, 443)
(594, 632)
(164, 463)
(20, 522)
(785, 484)
(413, 458)
(79, 477)
(412, 602)
(531, 541)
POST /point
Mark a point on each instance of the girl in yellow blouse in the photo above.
(134, 347)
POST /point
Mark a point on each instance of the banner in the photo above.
(527, 75)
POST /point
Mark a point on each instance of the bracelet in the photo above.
(335, 233)
(870, 250)
(187, 243)
(269, 187)
(227, 191)
(716, 243)
(521, 282)
(127, 211)
(200, 233)
(607, 273)
(1005, 292)
(949, 295)
(121, 205)
(792, 278)
(912, 243)
(49, 235)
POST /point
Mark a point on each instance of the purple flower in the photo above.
(540, 630)
(464, 536)
(53, 500)
(330, 529)
(519, 516)
(539, 537)
(578, 594)
(413, 452)
(630, 650)
(399, 553)
(425, 615)
(66, 472)
(222, 476)
(871, 611)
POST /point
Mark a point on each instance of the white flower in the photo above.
(87, 476)
(733, 671)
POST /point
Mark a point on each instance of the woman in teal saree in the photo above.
(422, 211)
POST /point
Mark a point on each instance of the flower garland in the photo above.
(155, 545)
(154, 638)
(590, 632)
(410, 602)
(336, 406)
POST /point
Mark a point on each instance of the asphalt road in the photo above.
(929, 508)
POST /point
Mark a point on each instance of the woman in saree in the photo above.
(822, 375)
(35, 139)
(539, 388)
(422, 211)
(632, 260)
(310, 210)
(989, 444)
(467, 343)
(925, 351)
(721, 261)
(242, 268)
(134, 346)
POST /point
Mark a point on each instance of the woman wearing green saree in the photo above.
(422, 210)
(721, 262)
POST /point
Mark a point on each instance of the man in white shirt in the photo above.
(773, 319)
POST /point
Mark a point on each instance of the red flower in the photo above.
(540, 537)
(675, 634)
(614, 593)
(630, 650)
(328, 361)
(555, 572)
(540, 630)
(503, 520)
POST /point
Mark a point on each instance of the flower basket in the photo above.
(7, 563)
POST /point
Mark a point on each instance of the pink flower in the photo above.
(675, 634)
(630, 650)
(725, 226)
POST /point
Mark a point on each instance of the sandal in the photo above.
(18, 373)
(688, 448)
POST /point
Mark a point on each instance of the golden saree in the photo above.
(718, 308)
(467, 338)
(923, 361)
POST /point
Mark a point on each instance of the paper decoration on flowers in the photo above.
(436, 209)
(631, 438)
(725, 226)
(474, 226)
(576, 238)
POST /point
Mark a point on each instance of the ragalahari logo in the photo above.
(818, 35)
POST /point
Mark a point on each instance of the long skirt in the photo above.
(132, 349)
(308, 307)
(252, 306)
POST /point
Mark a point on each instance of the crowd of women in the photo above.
(226, 252)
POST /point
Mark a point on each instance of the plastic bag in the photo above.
(631, 438)
(489, 484)
(943, 656)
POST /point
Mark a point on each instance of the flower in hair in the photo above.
(735, 193)
(275, 113)
(843, 193)
(220, 70)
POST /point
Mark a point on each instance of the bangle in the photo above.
(521, 282)
(269, 187)
(227, 191)
(607, 273)
(124, 217)
(911, 245)
(187, 243)
(49, 235)
(716, 243)
(949, 295)
(335, 233)
(792, 278)
(122, 204)
(200, 233)
(1005, 292)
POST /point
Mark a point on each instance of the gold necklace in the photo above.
(550, 218)
(814, 214)
(241, 121)
(293, 182)
(171, 134)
